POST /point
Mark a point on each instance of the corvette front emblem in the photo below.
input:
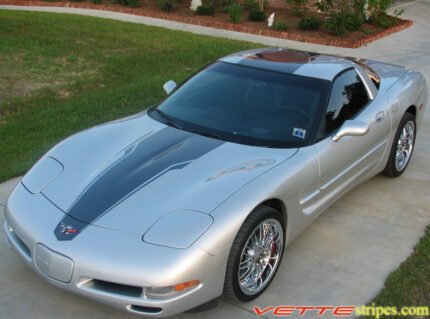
(67, 230)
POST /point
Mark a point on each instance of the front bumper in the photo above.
(109, 266)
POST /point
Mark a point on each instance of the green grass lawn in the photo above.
(60, 74)
(409, 285)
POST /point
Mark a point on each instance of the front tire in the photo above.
(403, 146)
(255, 255)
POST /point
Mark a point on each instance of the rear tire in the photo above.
(402, 148)
(257, 249)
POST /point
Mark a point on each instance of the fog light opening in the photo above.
(144, 310)
(170, 291)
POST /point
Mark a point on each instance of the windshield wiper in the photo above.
(166, 118)
(172, 123)
(204, 133)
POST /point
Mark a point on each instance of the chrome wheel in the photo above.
(260, 256)
(405, 145)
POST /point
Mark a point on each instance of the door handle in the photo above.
(380, 117)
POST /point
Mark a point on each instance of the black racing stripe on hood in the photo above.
(143, 162)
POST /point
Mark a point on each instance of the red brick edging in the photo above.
(341, 42)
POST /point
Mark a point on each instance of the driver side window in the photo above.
(348, 97)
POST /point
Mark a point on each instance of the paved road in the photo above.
(342, 258)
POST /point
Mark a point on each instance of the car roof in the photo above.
(303, 63)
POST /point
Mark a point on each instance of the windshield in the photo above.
(247, 105)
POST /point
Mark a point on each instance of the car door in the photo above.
(346, 161)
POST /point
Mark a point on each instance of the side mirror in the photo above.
(351, 128)
(169, 86)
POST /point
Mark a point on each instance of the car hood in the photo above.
(126, 174)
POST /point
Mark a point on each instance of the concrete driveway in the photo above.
(344, 257)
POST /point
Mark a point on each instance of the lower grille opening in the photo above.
(145, 310)
(114, 288)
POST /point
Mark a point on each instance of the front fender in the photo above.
(290, 182)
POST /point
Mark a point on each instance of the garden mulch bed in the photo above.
(367, 33)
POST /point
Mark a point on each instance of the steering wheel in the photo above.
(296, 111)
(230, 124)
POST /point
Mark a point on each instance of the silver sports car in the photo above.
(164, 210)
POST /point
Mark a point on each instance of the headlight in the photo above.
(178, 229)
(41, 174)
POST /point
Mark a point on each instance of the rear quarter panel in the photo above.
(410, 89)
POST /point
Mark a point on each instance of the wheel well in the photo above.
(412, 109)
(277, 205)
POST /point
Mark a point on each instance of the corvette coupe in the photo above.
(162, 211)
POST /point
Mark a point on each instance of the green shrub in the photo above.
(309, 23)
(128, 3)
(207, 3)
(366, 31)
(250, 5)
(382, 20)
(254, 4)
(298, 11)
(96, 1)
(235, 13)
(353, 21)
(77, 0)
(167, 5)
(336, 24)
(205, 10)
(343, 15)
(339, 23)
(298, 8)
(226, 3)
(279, 26)
(133, 3)
(378, 7)
(256, 15)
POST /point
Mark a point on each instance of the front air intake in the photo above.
(113, 288)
